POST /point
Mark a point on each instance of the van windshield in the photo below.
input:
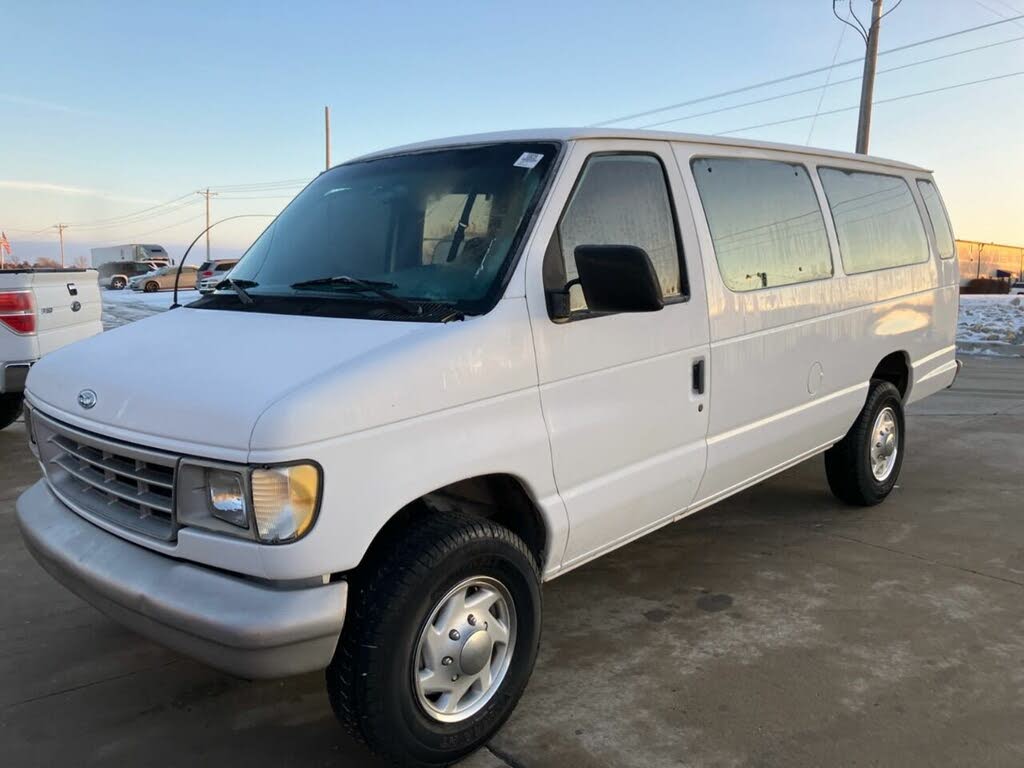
(436, 226)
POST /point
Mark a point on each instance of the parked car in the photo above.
(40, 311)
(462, 368)
(1017, 288)
(163, 279)
(213, 272)
(116, 274)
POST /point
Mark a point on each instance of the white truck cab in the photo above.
(454, 370)
(40, 310)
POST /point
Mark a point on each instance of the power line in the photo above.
(169, 226)
(137, 219)
(880, 101)
(799, 75)
(828, 82)
(855, 79)
(133, 213)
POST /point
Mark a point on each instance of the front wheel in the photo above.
(863, 467)
(118, 283)
(439, 641)
(10, 408)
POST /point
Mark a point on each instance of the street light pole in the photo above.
(867, 89)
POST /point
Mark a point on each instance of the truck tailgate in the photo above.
(68, 307)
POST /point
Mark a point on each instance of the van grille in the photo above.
(124, 484)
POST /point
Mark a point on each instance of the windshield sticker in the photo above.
(528, 160)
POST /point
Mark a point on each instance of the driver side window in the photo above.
(618, 200)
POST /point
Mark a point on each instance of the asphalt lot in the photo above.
(776, 629)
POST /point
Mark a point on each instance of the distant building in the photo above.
(979, 259)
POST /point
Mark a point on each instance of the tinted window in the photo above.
(619, 200)
(224, 267)
(876, 218)
(937, 218)
(438, 226)
(765, 221)
(206, 265)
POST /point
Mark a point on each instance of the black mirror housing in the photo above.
(618, 278)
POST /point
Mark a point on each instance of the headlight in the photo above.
(227, 497)
(272, 505)
(284, 501)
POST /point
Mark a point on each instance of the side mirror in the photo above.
(618, 278)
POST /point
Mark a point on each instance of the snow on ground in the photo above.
(991, 325)
(125, 306)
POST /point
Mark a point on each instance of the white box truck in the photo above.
(147, 252)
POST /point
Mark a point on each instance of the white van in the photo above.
(457, 369)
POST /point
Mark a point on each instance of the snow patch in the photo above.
(991, 324)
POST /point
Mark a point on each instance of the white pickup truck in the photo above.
(41, 310)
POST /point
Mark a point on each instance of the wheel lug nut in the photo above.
(454, 678)
(454, 634)
(447, 660)
(471, 620)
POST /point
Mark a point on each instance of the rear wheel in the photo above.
(10, 408)
(863, 467)
(151, 287)
(440, 639)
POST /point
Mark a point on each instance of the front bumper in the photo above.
(247, 629)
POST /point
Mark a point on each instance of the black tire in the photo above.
(151, 287)
(10, 408)
(118, 283)
(370, 681)
(848, 462)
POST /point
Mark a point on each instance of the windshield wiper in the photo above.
(356, 285)
(239, 286)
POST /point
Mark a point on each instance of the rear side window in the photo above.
(620, 200)
(205, 266)
(876, 219)
(766, 224)
(937, 218)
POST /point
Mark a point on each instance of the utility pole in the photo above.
(207, 194)
(327, 138)
(867, 88)
(60, 233)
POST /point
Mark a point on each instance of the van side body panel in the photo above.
(460, 404)
(791, 365)
(627, 430)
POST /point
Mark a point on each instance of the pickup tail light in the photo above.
(18, 311)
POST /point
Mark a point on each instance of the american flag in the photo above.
(5, 244)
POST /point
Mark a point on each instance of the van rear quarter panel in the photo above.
(791, 365)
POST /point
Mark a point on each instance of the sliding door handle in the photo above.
(698, 377)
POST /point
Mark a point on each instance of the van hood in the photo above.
(220, 383)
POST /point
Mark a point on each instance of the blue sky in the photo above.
(106, 108)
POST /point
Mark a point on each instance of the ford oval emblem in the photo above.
(87, 398)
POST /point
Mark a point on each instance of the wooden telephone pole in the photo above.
(60, 233)
(327, 138)
(867, 88)
(207, 194)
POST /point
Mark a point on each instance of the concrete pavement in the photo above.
(778, 628)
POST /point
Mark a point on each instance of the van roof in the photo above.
(570, 134)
